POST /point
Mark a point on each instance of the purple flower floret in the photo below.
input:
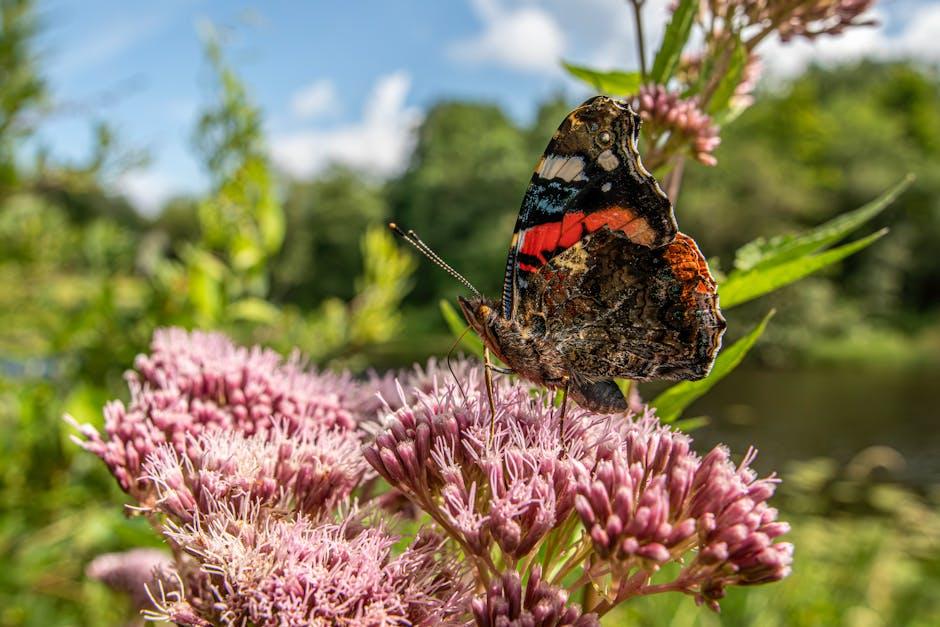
(667, 112)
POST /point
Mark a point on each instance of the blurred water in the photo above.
(795, 415)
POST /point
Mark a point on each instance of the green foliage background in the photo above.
(86, 279)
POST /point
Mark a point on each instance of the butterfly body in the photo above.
(599, 282)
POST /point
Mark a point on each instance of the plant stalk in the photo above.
(641, 46)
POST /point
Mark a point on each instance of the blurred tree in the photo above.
(325, 219)
(461, 193)
(22, 89)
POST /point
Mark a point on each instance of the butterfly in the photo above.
(599, 284)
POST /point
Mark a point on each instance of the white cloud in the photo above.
(525, 38)
(147, 189)
(380, 143)
(316, 99)
(922, 36)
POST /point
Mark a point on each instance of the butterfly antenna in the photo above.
(412, 238)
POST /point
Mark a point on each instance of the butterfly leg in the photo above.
(500, 370)
(564, 407)
(488, 378)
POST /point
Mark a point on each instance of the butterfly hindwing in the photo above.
(589, 177)
(618, 309)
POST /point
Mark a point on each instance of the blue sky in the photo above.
(348, 81)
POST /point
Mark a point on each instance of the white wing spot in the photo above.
(606, 187)
(561, 167)
(608, 160)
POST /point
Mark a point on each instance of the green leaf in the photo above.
(729, 82)
(691, 424)
(671, 403)
(674, 40)
(614, 82)
(761, 253)
(458, 327)
(740, 287)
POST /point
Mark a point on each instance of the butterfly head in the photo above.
(479, 311)
(484, 317)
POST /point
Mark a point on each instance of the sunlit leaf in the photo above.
(740, 287)
(674, 40)
(458, 327)
(762, 253)
(673, 401)
(614, 82)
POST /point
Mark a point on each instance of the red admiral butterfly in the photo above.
(599, 282)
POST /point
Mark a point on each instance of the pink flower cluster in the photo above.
(310, 472)
(195, 383)
(509, 482)
(275, 571)
(651, 500)
(448, 453)
(666, 112)
(249, 465)
(813, 18)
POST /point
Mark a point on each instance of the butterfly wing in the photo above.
(615, 309)
(589, 177)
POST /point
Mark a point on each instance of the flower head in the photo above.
(803, 18)
(195, 383)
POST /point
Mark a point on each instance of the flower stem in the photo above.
(572, 562)
(641, 46)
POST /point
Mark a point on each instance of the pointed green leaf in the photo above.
(761, 253)
(671, 403)
(459, 328)
(729, 82)
(674, 40)
(614, 82)
(741, 287)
